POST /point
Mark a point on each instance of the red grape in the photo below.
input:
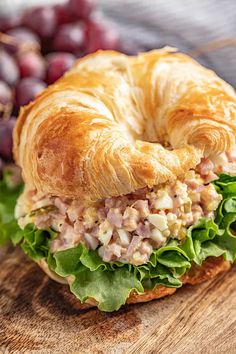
(100, 36)
(27, 90)
(81, 9)
(8, 68)
(6, 23)
(6, 128)
(79, 54)
(63, 14)
(23, 36)
(5, 94)
(42, 20)
(69, 38)
(32, 64)
(58, 63)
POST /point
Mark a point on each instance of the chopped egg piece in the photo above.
(157, 236)
(164, 202)
(160, 221)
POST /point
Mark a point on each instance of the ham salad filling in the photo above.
(128, 228)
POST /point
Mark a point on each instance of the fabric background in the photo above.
(185, 24)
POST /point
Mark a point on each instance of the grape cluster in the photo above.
(37, 47)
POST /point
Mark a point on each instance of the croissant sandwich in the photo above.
(129, 165)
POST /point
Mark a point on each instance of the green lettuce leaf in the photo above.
(226, 185)
(109, 284)
(110, 289)
(9, 192)
(36, 242)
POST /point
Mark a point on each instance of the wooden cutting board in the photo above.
(40, 316)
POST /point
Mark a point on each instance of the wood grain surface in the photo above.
(40, 316)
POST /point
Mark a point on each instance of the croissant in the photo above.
(117, 113)
(122, 160)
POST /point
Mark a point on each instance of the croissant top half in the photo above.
(101, 130)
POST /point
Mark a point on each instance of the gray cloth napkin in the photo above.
(185, 24)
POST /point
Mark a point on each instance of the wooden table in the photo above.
(40, 316)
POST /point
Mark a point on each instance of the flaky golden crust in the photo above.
(99, 130)
(210, 268)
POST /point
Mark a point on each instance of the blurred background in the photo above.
(186, 24)
(39, 40)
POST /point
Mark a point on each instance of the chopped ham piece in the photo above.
(134, 244)
(109, 203)
(60, 205)
(205, 166)
(231, 155)
(79, 227)
(115, 218)
(144, 229)
(142, 207)
(43, 220)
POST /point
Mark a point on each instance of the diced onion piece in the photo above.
(160, 221)
(164, 202)
(124, 237)
(92, 241)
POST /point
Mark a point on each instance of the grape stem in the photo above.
(23, 46)
(6, 110)
(211, 46)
